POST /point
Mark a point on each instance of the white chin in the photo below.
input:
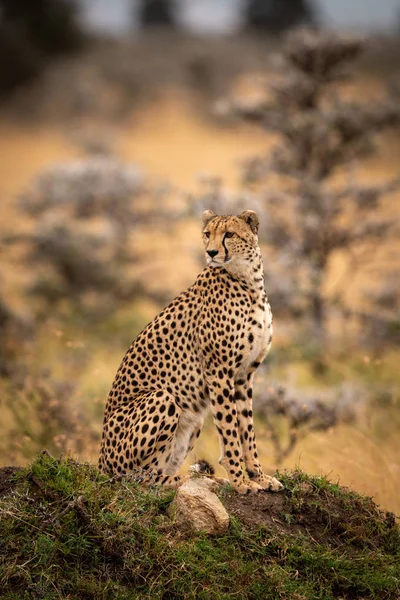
(213, 263)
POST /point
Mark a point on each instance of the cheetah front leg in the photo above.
(244, 407)
(224, 413)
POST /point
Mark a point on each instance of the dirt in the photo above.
(319, 516)
(6, 479)
(275, 512)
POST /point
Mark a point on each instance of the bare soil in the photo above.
(315, 514)
(6, 479)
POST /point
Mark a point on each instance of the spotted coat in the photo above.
(200, 352)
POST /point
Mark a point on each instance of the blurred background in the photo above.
(120, 122)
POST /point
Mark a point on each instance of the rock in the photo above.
(306, 488)
(199, 508)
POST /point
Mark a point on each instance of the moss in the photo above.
(68, 532)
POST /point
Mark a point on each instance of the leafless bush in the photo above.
(291, 415)
(82, 245)
(14, 330)
(44, 415)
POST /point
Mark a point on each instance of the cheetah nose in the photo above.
(212, 253)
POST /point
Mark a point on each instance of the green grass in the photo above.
(68, 532)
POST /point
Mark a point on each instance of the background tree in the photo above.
(156, 12)
(277, 15)
(313, 213)
(31, 33)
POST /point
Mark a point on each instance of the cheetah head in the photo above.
(230, 241)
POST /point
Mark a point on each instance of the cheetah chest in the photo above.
(259, 333)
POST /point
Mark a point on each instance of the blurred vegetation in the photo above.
(277, 15)
(156, 13)
(271, 16)
(32, 34)
(289, 415)
(81, 247)
(13, 331)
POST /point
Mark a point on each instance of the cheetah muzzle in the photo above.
(200, 352)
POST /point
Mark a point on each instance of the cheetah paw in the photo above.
(267, 483)
(256, 487)
(248, 488)
(243, 488)
(273, 485)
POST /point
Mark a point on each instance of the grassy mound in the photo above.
(68, 532)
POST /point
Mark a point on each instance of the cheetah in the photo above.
(200, 352)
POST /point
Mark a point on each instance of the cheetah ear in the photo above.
(207, 216)
(251, 218)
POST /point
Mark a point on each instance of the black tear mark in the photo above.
(226, 249)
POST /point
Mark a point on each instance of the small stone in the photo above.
(306, 488)
(199, 508)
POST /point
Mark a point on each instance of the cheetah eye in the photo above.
(229, 234)
(207, 234)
